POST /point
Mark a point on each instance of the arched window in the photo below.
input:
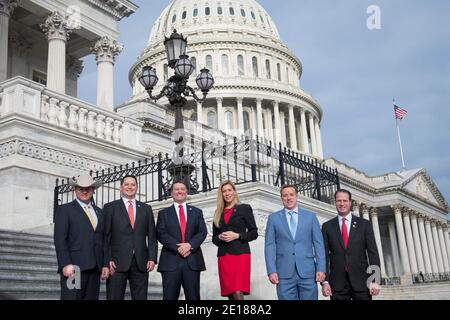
(195, 12)
(229, 120)
(174, 18)
(268, 75)
(166, 72)
(194, 63)
(225, 69)
(279, 71)
(209, 63)
(183, 16)
(243, 13)
(246, 121)
(262, 19)
(253, 15)
(287, 75)
(219, 10)
(231, 11)
(255, 66)
(240, 63)
(207, 11)
(212, 119)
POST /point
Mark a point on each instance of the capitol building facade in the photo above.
(47, 133)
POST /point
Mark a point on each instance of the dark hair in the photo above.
(285, 186)
(128, 176)
(343, 191)
(178, 181)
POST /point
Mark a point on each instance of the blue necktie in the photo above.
(292, 224)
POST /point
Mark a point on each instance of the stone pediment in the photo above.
(421, 185)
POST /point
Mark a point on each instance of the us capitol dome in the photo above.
(256, 74)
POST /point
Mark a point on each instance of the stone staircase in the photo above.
(28, 269)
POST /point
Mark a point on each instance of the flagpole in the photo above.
(399, 140)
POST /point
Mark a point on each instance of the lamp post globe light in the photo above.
(176, 90)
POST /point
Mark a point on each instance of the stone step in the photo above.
(8, 267)
(23, 260)
(25, 253)
(22, 236)
(11, 243)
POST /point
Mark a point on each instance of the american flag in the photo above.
(400, 113)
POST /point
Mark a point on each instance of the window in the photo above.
(195, 12)
(262, 19)
(225, 69)
(246, 121)
(287, 74)
(212, 119)
(207, 11)
(243, 13)
(229, 120)
(268, 75)
(240, 63)
(174, 18)
(40, 77)
(219, 11)
(279, 71)
(231, 11)
(253, 15)
(255, 66)
(288, 136)
(194, 63)
(166, 72)
(209, 63)
(184, 15)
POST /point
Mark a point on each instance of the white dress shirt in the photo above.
(295, 216)
(91, 209)
(184, 209)
(348, 222)
(133, 201)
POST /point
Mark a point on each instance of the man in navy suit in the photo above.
(78, 240)
(181, 231)
(294, 249)
(130, 245)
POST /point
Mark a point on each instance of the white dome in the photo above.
(239, 15)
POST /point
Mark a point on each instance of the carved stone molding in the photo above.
(75, 67)
(106, 49)
(55, 26)
(373, 212)
(7, 6)
(398, 208)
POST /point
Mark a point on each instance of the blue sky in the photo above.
(353, 72)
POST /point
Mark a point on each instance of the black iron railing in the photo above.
(240, 160)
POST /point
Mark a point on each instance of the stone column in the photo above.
(292, 133)
(276, 113)
(410, 241)
(394, 247)
(200, 112)
(437, 247)
(298, 129)
(312, 134)
(57, 31)
(106, 50)
(220, 118)
(240, 115)
(434, 264)
(355, 207)
(401, 239)
(416, 239)
(259, 118)
(424, 244)
(376, 231)
(319, 139)
(305, 147)
(365, 211)
(6, 9)
(283, 129)
(443, 248)
(269, 124)
(447, 242)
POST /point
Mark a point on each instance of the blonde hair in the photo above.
(220, 203)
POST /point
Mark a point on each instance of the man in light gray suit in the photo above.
(294, 249)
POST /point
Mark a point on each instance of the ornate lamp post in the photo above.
(176, 90)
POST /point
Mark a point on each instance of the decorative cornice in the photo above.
(52, 155)
(116, 8)
(106, 49)
(7, 6)
(75, 67)
(55, 26)
(398, 208)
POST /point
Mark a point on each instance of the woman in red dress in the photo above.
(234, 227)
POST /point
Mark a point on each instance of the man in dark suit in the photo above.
(130, 247)
(349, 240)
(181, 231)
(78, 237)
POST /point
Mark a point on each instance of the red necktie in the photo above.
(182, 222)
(131, 212)
(344, 233)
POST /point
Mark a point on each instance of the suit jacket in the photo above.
(76, 242)
(121, 239)
(169, 235)
(361, 244)
(283, 253)
(241, 221)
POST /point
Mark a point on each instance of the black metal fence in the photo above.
(239, 160)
